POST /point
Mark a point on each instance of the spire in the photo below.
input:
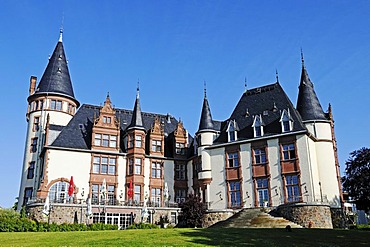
(245, 85)
(277, 76)
(137, 120)
(60, 35)
(56, 79)
(206, 122)
(308, 104)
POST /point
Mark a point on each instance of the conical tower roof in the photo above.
(137, 119)
(206, 122)
(56, 79)
(308, 105)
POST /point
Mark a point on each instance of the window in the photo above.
(156, 197)
(262, 192)
(292, 188)
(131, 140)
(34, 145)
(31, 170)
(107, 120)
(104, 165)
(137, 166)
(233, 160)
(288, 151)
(41, 104)
(95, 194)
(55, 105)
(36, 124)
(258, 126)
(105, 140)
(286, 121)
(232, 131)
(260, 156)
(156, 170)
(235, 195)
(137, 193)
(138, 141)
(58, 192)
(131, 167)
(180, 195)
(27, 195)
(111, 196)
(180, 172)
(180, 148)
(156, 145)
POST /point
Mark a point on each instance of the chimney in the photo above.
(33, 80)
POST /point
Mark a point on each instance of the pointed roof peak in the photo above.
(137, 118)
(138, 89)
(60, 35)
(206, 122)
(205, 89)
(302, 58)
(308, 104)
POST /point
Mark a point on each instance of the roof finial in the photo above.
(108, 95)
(277, 76)
(61, 29)
(205, 89)
(138, 89)
(245, 84)
(302, 59)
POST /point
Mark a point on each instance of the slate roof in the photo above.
(268, 101)
(308, 104)
(206, 122)
(77, 134)
(137, 119)
(56, 79)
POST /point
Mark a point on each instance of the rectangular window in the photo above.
(156, 197)
(34, 145)
(96, 164)
(292, 188)
(97, 140)
(180, 172)
(95, 194)
(131, 140)
(53, 104)
(31, 170)
(156, 145)
(156, 170)
(260, 156)
(58, 105)
(112, 166)
(286, 126)
(235, 195)
(104, 165)
(112, 141)
(262, 192)
(131, 167)
(288, 151)
(233, 160)
(41, 104)
(180, 195)
(137, 193)
(107, 120)
(180, 148)
(36, 124)
(138, 141)
(27, 195)
(105, 140)
(258, 131)
(137, 166)
(111, 196)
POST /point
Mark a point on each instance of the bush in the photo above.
(142, 226)
(363, 227)
(192, 211)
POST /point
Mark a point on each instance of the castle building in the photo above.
(268, 153)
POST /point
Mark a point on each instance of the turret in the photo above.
(53, 100)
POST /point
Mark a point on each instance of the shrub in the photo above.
(192, 211)
(142, 226)
(363, 227)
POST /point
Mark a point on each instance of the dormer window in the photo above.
(232, 131)
(286, 121)
(107, 120)
(258, 126)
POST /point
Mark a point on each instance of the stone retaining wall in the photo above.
(212, 217)
(310, 216)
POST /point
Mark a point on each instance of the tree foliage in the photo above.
(192, 211)
(357, 179)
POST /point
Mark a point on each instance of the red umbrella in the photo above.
(71, 187)
(130, 192)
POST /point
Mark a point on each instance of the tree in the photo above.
(192, 211)
(356, 182)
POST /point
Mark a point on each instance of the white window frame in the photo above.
(285, 117)
(258, 124)
(232, 133)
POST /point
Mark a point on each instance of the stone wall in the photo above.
(212, 217)
(310, 216)
(339, 218)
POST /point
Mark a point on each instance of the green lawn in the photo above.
(191, 237)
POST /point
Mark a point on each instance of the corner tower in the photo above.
(52, 102)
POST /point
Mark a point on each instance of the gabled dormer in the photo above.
(257, 126)
(232, 131)
(180, 140)
(106, 130)
(286, 121)
(156, 138)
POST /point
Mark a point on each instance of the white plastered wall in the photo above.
(247, 173)
(276, 183)
(121, 170)
(218, 186)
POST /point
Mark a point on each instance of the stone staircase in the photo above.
(255, 218)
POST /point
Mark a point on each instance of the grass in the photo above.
(191, 237)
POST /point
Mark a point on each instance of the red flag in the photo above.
(71, 187)
(130, 192)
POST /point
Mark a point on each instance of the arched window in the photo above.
(59, 192)
(258, 126)
(232, 131)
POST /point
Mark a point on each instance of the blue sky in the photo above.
(173, 46)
